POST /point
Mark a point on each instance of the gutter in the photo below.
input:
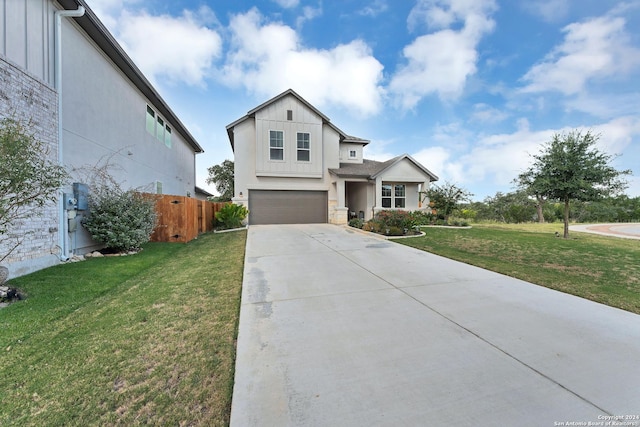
(62, 221)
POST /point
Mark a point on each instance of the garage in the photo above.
(287, 207)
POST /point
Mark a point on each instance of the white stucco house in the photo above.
(63, 71)
(292, 165)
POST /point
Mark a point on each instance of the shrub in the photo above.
(356, 223)
(231, 216)
(395, 231)
(121, 220)
(396, 218)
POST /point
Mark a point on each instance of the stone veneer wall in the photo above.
(30, 100)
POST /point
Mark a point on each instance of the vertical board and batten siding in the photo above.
(274, 117)
(181, 219)
(28, 40)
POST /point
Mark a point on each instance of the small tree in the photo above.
(570, 168)
(446, 198)
(28, 177)
(222, 176)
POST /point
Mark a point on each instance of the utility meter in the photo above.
(69, 201)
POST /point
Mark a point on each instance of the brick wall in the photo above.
(29, 99)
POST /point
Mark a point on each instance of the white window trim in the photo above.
(277, 148)
(298, 149)
(393, 197)
(355, 154)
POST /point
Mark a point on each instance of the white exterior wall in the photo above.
(104, 120)
(274, 117)
(103, 116)
(346, 147)
(26, 36)
(251, 151)
(404, 172)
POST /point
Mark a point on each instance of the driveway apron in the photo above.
(340, 328)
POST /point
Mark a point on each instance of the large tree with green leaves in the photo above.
(222, 176)
(446, 198)
(570, 168)
(29, 178)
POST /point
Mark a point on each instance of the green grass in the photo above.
(602, 269)
(144, 339)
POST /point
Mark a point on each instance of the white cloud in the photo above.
(497, 159)
(178, 48)
(268, 58)
(484, 113)
(548, 10)
(591, 50)
(308, 13)
(287, 4)
(440, 62)
(374, 8)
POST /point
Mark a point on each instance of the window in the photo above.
(289, 114)
(276, 145)
(399, 195)
(167, 136)
(160, 130)
(151, 121)
(353, 154)
(303, 147)
(394, 195)
(386, 196)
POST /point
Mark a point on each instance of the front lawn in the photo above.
(602, 269)
(143, 339)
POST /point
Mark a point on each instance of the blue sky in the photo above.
(470, 88)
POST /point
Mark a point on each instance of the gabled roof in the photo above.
(95, 29)
(290, 92)
(371, 169)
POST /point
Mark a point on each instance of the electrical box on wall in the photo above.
(69, 201)
(81, 193)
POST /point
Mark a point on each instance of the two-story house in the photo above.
(292, 165)
(62, 72)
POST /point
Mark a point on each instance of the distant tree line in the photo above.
(518, 206)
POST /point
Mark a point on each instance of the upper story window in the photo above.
(167, 136)
(303, 147)
(276, 145)
(353, 154)
(151, 121)
(289, 115)
(157, 127)
(160, 129)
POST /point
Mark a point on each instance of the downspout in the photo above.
(58, 15)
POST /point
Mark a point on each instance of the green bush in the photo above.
(231, 216)
(396, 218)
(356, 223)
(395, 231)
(121, 220)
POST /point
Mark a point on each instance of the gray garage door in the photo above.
(287, 207)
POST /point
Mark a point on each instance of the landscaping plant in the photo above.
(122, 220)
(231, 216)
(29, 179)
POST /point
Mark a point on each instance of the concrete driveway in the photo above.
(339, 328)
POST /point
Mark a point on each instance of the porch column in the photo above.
(340, 216)
(341, 190)
(423, 197)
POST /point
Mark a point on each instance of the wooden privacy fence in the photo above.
(181, 219)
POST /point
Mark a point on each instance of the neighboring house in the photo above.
(62, 70)
(202, 194)
(292, 165)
